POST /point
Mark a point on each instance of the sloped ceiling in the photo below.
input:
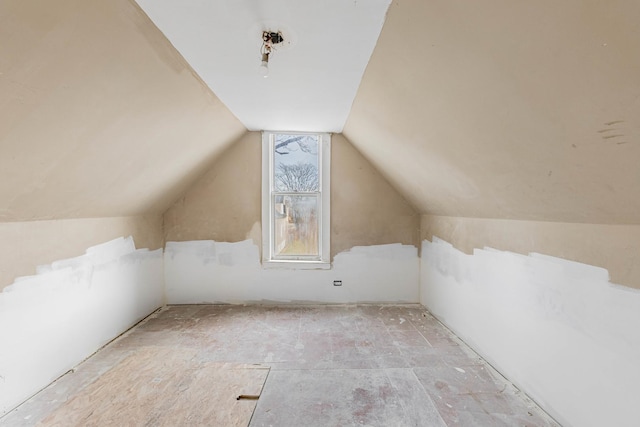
(500, 109)
(99, 115)
(525, 110)
(313, 75)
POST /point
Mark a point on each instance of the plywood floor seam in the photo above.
(355, 365)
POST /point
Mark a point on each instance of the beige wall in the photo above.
(25, 245)
(365, 208)
(514, 110)
(614, 247)
(99, 116)
(224, 205)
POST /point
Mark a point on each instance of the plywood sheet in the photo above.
(166, 387)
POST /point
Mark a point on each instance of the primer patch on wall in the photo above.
(52, 321)
(558, 329)
(208, 271)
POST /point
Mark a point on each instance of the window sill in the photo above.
(296, 265)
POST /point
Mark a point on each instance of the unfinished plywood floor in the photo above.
(359, 365)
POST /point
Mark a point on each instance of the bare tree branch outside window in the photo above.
(306, 143)
(299, 177)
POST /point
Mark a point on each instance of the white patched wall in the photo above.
(52, 321)
(557, 329)
(218, 272)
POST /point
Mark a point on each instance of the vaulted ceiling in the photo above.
(99, 115)
(526, 110)
(501, 109)
(314, 72)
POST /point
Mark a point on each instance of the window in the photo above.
(295, 199)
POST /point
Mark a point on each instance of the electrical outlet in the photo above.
(337, 283)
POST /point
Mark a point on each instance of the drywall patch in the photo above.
(210, 272)
(558, 329)
(52, 321)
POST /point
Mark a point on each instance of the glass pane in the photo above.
(295, 163)
(295, 231)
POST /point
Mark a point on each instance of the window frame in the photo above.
(324, 199)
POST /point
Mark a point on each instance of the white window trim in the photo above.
(267, 220)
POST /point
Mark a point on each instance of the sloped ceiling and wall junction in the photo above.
(517, 110)
(492, 110)
(542, 124)
(99, 115)
(102, 126)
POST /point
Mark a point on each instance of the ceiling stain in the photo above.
(612, 136)
(615, 122)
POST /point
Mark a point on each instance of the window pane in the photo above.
(295, 163)
(295, 229)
